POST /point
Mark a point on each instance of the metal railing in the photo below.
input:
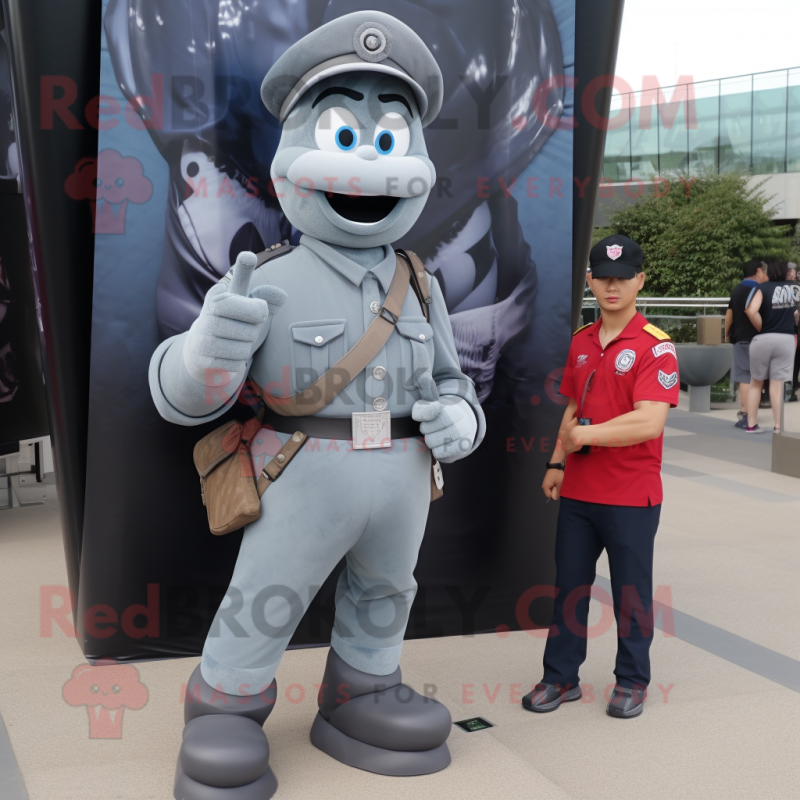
(671, 302)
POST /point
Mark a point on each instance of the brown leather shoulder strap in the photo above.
(274, 469)
(419, 281)
(328, 385)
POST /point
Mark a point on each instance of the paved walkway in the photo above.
(721, 720)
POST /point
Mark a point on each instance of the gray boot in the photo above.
(225, 754)
(378, 724)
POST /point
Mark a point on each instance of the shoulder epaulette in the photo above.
(657, 332)
(280, 249)
(583, 328)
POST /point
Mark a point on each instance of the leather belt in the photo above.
(334, 427)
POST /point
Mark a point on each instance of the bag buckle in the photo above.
(388, 316)
(438, 475)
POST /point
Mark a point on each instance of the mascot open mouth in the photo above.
(362, 208)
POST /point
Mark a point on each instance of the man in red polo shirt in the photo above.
(621, 380)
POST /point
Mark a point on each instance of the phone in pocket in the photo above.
(587, 448)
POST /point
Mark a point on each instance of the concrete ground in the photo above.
(727, 412)
(721, 720)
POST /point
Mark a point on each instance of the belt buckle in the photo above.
(372, 430)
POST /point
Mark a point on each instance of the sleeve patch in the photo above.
(667, 380)
(657, 332)
(664, 347)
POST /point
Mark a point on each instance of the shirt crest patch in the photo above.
(581, 361)
(664, 347)
(614, 251)
(625, 361)
(668, 381)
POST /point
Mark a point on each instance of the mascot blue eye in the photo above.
(346, 137)
(392, 135)
(337, 129)
(385, 142)
(119, 183)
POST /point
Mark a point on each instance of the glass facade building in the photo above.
(745, 124)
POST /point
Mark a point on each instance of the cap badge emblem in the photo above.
(625, 361)
(614, 251)
(372, 42)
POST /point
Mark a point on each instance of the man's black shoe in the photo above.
(626, 703)
(548, 697)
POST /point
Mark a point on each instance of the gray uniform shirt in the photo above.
(331, 302)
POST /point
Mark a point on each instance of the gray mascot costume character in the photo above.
(352, 173)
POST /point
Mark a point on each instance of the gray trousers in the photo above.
(369, 506)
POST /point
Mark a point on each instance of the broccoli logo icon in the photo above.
(106, 690)
(109, 182)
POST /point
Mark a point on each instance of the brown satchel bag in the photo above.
(230, 489)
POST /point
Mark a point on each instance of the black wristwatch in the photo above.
(556, 465)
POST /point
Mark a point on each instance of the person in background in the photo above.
(774, 313)
(791, 275)
(740, 331)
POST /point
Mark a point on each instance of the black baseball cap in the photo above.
(616, 257)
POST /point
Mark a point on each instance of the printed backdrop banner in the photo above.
(181, 184)
(23, 409)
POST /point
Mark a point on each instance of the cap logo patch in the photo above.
(624, 361)
(581, 361)
(667, 380)
(614, 251)
(372, 42)
(664, 347)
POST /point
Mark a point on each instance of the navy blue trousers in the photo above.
(627, 533)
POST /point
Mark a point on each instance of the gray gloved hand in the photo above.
(449, 426)
(232, 324)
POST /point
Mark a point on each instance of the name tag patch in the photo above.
(664, 347)
(667, 380)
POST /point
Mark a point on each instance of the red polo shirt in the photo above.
(640, 364)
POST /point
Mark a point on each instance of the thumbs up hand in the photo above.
(449, 426)
(232, 325)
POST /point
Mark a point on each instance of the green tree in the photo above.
(796, 245)
(697, 232)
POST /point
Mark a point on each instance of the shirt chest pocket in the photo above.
(316, 347)
(416, 349)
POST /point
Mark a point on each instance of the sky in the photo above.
(706, 39)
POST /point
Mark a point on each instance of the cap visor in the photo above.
(342, 64)
(610, 269)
